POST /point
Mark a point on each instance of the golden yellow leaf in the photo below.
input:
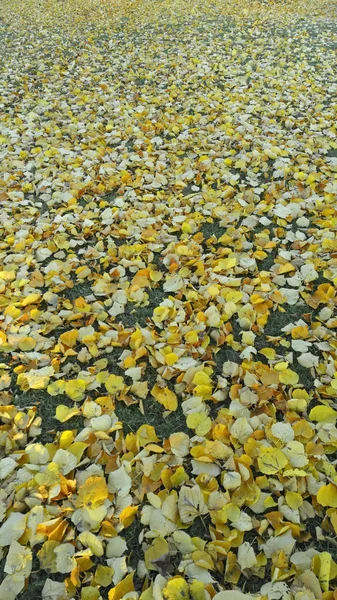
(271, 460)
(323, 414)
(92, 493)
(200, 422)
(35, 379)
(146, 434)
(201, 378)
(289, 377)
(66, 438)
(89, 540)
(300, 333)
(7, 275)
(202, 559)
(124, 587)
(75, 388)
(327, 495)
(63, 413)
(114, 384)
(281, 366)
(324, 571)
(77, 449)
(294, 500)
(127, 515)
(232, 595)
(333, 519)
(56, 387)
(69, 338)
(287, 268)
(176, 589)
(160, 313)
(165, 396)
(171, 358)
(268, 353)
(31, 299)
(27, 343)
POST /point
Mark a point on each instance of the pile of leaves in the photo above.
(168, 369)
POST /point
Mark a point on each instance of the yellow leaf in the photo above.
(69, 338)
(122, 588)
(180, 476)
(201, 378)
(197, 590)
(63, 413)
(287, 268)
(106, 403)
(165, 397)
(114, 384)
(289, 377)
(204, 391)
(200, 422)
(89, 540)
(268, 353)
(271, 460)
(171, 358)
(27, 343)
(7, 275)
(92, 493)
(183, 250)
(77, 449)
(231, 595)
(75, 389)
(146, 434)
(323, 414)
(31, 299)
(224, 263)
(295, 473)
(127, 515)
(56, 387)
(294, 500)
(327, 495)
(176, 589)
(158, 548)
(333, 519)
(35, 379)
(148, 594)
(47, 556)
(256, 299)
(186, 227)
(202, 559)
(281, 366)
(90, 593)
(269, 502)
(191, 503)
(136, 339)
(233, 296)
(66, 438)
(160, 313)
(213, 290)
(103, 575)
(191, 337)
(301, 332)
(12, 311)
(324, 571)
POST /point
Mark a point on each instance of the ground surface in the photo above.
(167, 290)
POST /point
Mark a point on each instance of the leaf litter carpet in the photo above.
(168, 369)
